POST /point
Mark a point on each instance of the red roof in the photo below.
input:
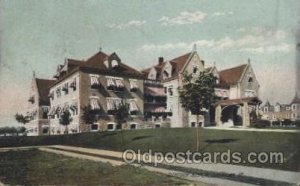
(177, 65)
(43, 86)
(96, 64)
(232, 75)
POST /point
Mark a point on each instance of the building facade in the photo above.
(280, 112)
(103, 82)
(38, 106)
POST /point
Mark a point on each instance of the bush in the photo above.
(276, 123)
(287, 122)
(261, 123)
(297, 123)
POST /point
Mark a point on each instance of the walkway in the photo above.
(220, 174)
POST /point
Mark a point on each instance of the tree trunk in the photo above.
(66, 129)
(197, 133)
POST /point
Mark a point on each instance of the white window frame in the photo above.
(94, 103)
(97, 129)
(133, 83)
(136, 126)
(94, 79)
(114, 126)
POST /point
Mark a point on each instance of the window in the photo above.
(165, 75)
(114, 63)
(133, 126)
(170, 90)
(133, 85)
(110, 84)
(157, 125)
(111, 126)
(113, 104)
(94, 104)
(294, 107)
(73, 108)
(193, 124)
(277, 108)
(58, 92)
(165, 90)
(119, 85)
(195, 70)
(94, 81)
(65, 88)
(73, 84)
(133, 107)
(250, 83)
(95, 127)
(31, 99)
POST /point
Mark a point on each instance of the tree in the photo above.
(197, 95)
(88, 115)
(65, 119)
(121, 116)
(22, 119)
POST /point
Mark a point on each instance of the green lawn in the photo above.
(180, 139)
(33, 167)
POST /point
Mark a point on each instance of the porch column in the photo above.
(246, 117)
(218, 115)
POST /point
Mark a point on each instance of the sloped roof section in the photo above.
(232, 75)
(177, 65)
(296, 100)
(43, 86)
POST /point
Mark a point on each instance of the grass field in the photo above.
(33, 167)
(180, 140)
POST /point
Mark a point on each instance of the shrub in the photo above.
(297, 123)
(260, 123)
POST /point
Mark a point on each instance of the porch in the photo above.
(235, 112)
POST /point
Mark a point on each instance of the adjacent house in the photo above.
(38, 106)
(280, 112)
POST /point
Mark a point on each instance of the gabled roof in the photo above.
(232, 75)
(177, 64)
(296, 100)
(43, 86)
(267, 104)
(96, 64)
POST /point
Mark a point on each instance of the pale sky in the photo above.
(38, 35)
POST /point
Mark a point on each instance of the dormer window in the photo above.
(114, 64)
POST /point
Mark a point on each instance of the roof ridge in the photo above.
(234, 67)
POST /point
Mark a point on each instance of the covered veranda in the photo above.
(235, 112)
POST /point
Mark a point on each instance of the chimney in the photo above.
(160, 60)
